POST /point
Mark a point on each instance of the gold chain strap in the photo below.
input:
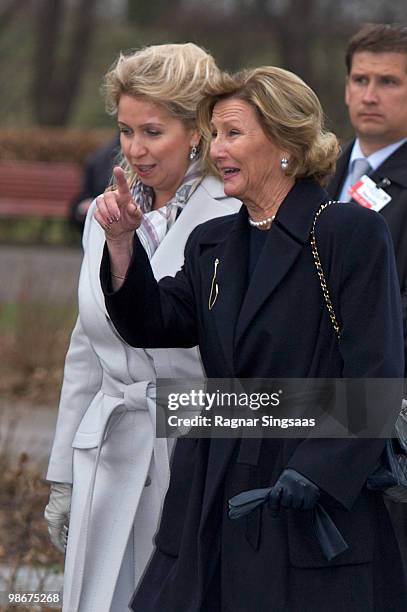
(320, 271)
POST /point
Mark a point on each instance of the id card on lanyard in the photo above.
(368, 194)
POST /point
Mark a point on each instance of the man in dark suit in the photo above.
(96, 176)
(376, 96)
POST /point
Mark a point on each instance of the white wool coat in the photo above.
(105, 435)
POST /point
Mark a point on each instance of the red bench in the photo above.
(38, 189)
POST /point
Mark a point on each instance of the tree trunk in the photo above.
(8, 11)
(56, 79)
(297, 32)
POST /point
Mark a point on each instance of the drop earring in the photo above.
(284, 163)
(193, 153)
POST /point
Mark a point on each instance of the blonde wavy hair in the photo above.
(172, 75)
(289, 113)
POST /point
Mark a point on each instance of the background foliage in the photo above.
(53, 53)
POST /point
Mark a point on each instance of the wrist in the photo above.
(120, 250)
(122, 244)
(120, 254)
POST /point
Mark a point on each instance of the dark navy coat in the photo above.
(278, 326)
(394, 169)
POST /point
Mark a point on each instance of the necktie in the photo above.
(360, 167)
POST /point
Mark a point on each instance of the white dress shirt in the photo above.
(375, 160)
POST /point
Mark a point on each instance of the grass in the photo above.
(34, 338)
(24, 536)
(33, 341)
(56, 232)
(24, 540)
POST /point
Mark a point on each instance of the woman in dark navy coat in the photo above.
(249, 295)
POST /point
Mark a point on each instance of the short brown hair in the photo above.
(377, 38)
(289, 113)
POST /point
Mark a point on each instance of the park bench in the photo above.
(38, 189)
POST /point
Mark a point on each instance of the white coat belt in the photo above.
(131, 396)
(118, 399)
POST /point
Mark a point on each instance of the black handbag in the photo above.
(390, 474)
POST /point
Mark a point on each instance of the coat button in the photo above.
(148, 481)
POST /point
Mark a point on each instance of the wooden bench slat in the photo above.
(38, 189)
(10, 207)
(35, 193)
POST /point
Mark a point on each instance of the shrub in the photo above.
(51, 144)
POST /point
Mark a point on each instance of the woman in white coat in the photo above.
(108, 472)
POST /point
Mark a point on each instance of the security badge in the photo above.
(369, 194)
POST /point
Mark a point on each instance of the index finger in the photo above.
(121, 182)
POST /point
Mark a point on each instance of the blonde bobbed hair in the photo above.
(289, 113)
(172, 75)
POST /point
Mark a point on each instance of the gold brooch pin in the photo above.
(214, 287)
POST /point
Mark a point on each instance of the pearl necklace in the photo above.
(261, 223)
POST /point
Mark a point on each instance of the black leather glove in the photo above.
(292, 490)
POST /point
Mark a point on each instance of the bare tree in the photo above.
(148, 12)
(8, 11)
(58, 63)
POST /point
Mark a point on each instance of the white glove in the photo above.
(57, 513)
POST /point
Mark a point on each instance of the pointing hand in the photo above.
(116, 210)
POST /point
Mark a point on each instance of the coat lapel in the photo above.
(95, 242)
(278, 255)
(285, 241)
(393, 168)
(231, 270)
(208, 202)
(335, 184)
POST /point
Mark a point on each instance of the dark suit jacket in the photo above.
(96, 176)
(278, 326)
(395, 213)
